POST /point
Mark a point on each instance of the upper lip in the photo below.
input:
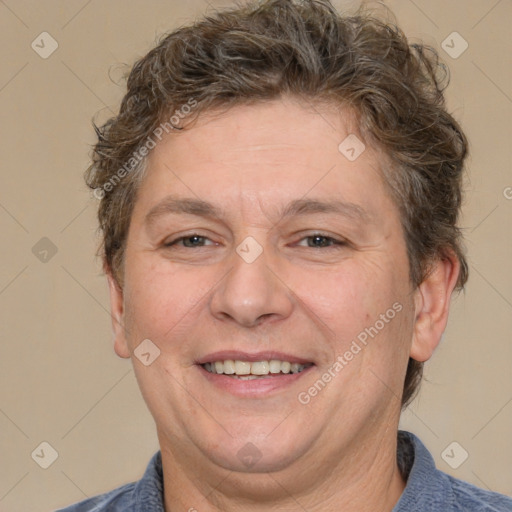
(234, 355)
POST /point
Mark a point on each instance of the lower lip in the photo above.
(254, 387)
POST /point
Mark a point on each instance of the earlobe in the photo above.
(432, 299)
(117, 315)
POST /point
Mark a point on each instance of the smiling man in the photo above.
(281, 252)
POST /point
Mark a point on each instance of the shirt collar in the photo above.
(148, 492)
(425, 484)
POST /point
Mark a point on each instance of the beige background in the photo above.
(60, 381)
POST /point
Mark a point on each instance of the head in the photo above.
(248, 110)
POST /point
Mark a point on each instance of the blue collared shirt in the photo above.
(427, 489)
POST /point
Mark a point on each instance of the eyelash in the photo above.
(333, 242)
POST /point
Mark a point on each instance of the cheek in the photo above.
(161, 299)
(353, 296)
(369, 313)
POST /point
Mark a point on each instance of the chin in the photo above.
(252, 453)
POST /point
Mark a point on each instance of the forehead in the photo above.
(274, 128)
(273, 153)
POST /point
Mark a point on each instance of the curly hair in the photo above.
(264, 50)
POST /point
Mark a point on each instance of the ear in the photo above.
(432, 301)
(117, 316)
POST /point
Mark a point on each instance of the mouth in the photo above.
(253, 375)
(247, 370)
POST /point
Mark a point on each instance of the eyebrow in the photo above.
(173, 205)
(297, 207)
(309, 206)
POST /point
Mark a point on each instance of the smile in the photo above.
(246, 370)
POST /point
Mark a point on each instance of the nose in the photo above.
(251, 293)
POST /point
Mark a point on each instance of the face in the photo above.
(255, 240)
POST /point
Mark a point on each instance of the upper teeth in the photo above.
(230, 367)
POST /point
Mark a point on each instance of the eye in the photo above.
(189, 241)
(315, 241)
(319, 241)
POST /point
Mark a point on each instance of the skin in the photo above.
(337, 452)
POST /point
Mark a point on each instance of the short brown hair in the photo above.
(305, 48)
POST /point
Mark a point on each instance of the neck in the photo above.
(364, 478)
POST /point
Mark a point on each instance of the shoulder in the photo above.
(133, 497)
(120, 499)
(470, 498)
(430, 490)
